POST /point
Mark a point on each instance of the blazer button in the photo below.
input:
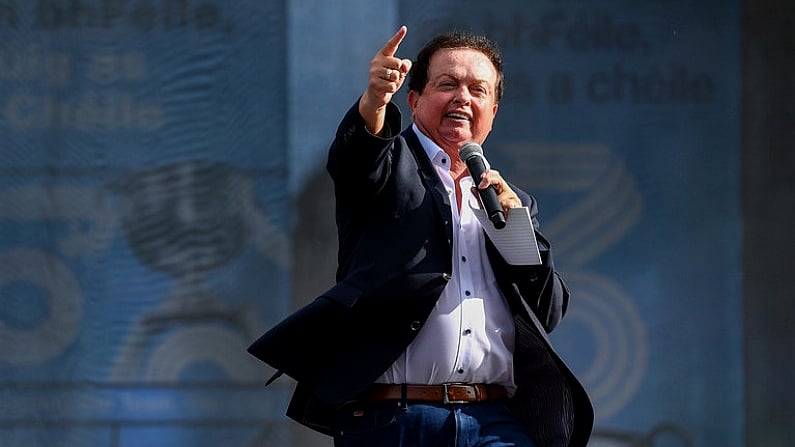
(415, 325)
(447, 276)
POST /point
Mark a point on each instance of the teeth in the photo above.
(457, 116)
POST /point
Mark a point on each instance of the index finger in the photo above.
(392, 45)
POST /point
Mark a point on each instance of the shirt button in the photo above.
(467, 331)
(467, 293)
(415, 325)
(460, 371)
(463, 259)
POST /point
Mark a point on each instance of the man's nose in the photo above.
(462, 96)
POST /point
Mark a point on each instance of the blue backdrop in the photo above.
(151, 148)
(143, 229)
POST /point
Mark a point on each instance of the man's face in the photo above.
(458, 103)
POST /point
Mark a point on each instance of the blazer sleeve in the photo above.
(359, 161)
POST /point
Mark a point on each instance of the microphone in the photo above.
(472, 154)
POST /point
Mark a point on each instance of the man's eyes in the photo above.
(478, 90)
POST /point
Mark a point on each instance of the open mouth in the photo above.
(457, 116)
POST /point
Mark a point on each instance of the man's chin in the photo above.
(457, 137)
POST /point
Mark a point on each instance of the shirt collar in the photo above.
(438, 156)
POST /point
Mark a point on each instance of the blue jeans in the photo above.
(388, 424)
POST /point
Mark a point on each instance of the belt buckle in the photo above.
(446, 397)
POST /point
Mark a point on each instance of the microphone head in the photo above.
(469, 149)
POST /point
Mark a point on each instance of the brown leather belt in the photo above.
(448, 393)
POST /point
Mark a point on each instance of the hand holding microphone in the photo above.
(496, 193)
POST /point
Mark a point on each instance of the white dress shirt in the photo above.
(469, 335)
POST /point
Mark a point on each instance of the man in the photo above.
(429, 338)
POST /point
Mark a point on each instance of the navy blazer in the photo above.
(394, 224)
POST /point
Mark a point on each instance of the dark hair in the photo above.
(418, 76)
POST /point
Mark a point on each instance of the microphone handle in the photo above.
(496, 216)
(488, 196)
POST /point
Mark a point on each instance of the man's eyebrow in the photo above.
(445, 75)
(453, 77)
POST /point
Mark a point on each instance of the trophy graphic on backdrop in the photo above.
(186, 221)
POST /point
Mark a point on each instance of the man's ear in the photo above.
(413, 97)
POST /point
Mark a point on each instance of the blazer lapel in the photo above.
(432, 182)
